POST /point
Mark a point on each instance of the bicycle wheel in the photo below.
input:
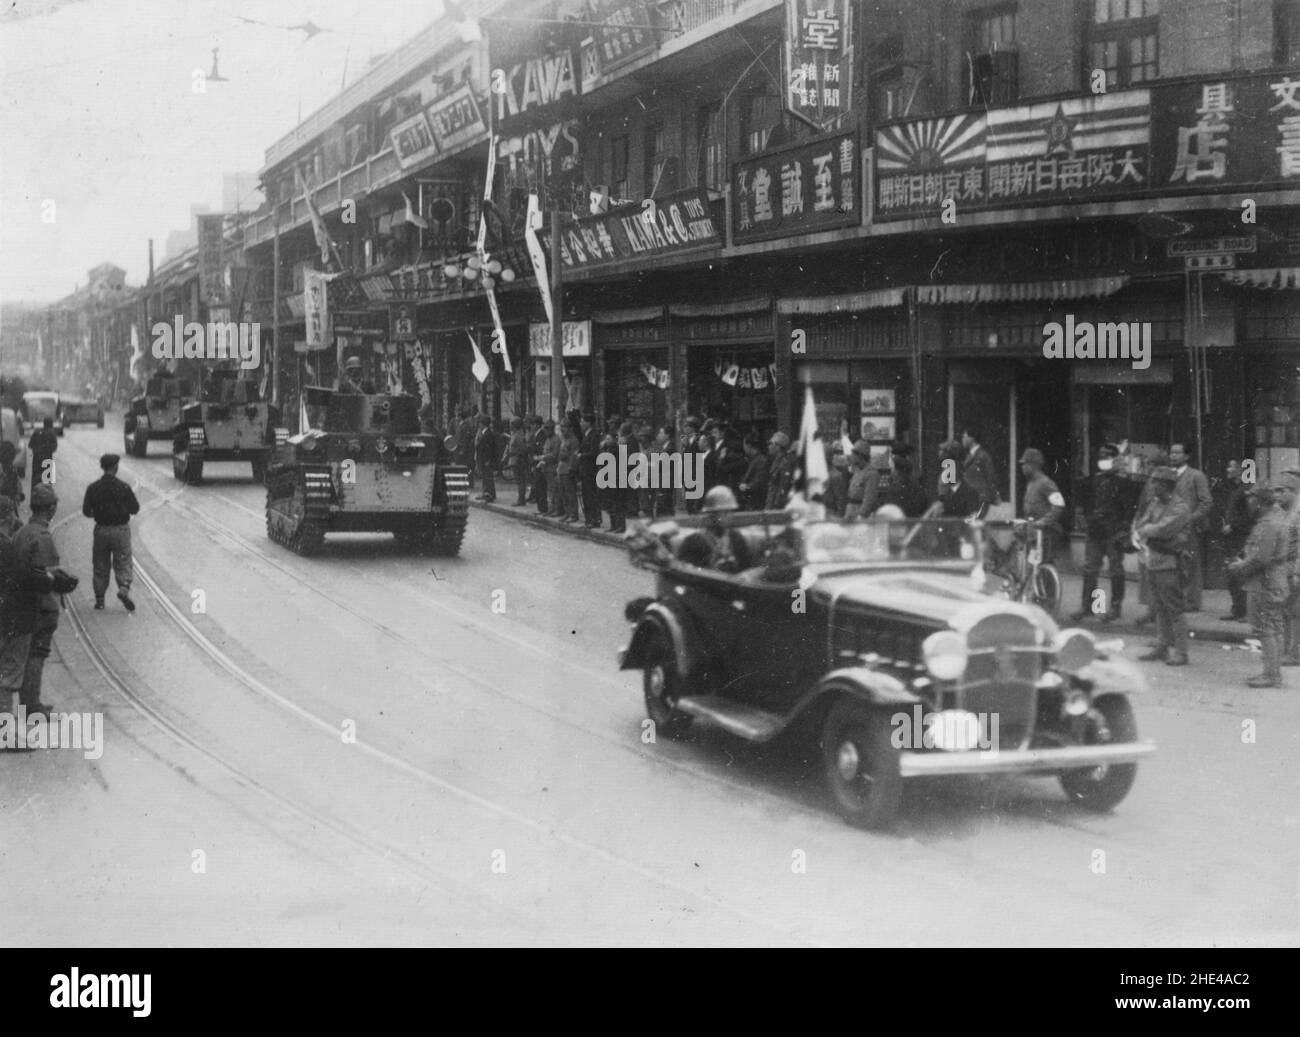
(1046, 592)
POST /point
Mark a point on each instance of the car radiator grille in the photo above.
(1002, 670)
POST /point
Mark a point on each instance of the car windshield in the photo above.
(883, 540)
(41, 406)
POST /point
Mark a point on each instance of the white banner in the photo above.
(315, 307)
(537, 254)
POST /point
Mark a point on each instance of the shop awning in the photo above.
(1021, 291)
(1279, 278)
(628, 316)
(720, 309)
(850, 302)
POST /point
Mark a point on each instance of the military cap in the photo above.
(780, 439)
(43, 496)
(108, 461)
(863, 449)
(352, 362)
(1033, 456)
(1164, 474)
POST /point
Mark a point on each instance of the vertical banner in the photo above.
(498, 332)
(538, 255)
(212, 282)
(480, 368)
(315, 307)
(819, 59)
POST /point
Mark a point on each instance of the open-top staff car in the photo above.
(76, 409)
(37, 406)
(877, 642)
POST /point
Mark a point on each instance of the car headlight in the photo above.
(1074, 649)
(944, 655)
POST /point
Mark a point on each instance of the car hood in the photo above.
(934, 596)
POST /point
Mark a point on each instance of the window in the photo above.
(758, 114)
(654, 157)
(713, 166)
(618, 153)
(993, 29)
(1124, 40)
(1286, 32)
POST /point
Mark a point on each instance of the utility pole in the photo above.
(558, 402)
(275, 311)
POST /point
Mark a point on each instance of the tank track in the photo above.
(449, 528)
(311, 494)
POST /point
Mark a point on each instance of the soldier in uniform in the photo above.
(1194, 489)
(780, 473)
(713, 546)
(352, 381)
(1238, 517)
(1263, 570)
(33, 548)
(1161, 532)
(1043, 505)
(864, 484)
(1288, 497)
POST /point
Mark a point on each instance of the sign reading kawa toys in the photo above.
(797, 190)
(679, 222)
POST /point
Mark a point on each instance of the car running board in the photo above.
(754, 725)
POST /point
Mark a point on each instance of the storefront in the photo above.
(539, 384)
(729, 368)
(631, 367)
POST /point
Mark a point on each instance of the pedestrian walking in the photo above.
(111, 503)
(780, 472)
(520, 455)
(1161, 531)
(486, 456)
(1194, 490)
(588, 452)
(1263, 569)
(1109, 515)
(1238, 517)
(43, 444)
(567, 472)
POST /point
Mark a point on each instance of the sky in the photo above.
(98, 115)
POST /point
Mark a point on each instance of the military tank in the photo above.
(155, 413)
(230, 423)
(363, 465)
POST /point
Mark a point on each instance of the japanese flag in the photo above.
(814, 456)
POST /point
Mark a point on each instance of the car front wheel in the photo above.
(861, 764)
(663, 686)
(1102, 788)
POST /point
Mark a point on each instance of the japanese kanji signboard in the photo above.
(1242, 131)
(819, 58)
(797, 190)
(1191, 137)
(212, 283)
(1057, 151)
(678, 222)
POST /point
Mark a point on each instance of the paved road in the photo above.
(371, 747)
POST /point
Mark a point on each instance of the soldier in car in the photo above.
(712, 545)
(352, 381)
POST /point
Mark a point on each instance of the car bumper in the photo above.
(933, 764)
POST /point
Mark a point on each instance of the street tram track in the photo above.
(260, 688)
(340, 829)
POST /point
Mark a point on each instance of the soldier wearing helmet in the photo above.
(352, 381)
(712, 545)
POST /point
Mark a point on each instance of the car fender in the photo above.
(661, 617)
(871, 686)
(1113, 673)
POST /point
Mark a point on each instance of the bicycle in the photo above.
(1025, 576)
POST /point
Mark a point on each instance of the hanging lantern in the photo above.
(488, 282)
(451, 270)
(494, 267)
(470, 273)
(474, 263)
(507, 275)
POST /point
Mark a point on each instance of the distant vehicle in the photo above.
(37, 406)
(156, 413)
(11, 430)
(364, 464)
(230, 423)
(876, 644)
(81, 409)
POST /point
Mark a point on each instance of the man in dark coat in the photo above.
(486, 455)
(1193, 489)
(1238, 514)
(1161, 531)
(43, 445)
(753, 484)
(111, 503)
(1108, 512)
(466, 431)
(978, 470)
(588, 451)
